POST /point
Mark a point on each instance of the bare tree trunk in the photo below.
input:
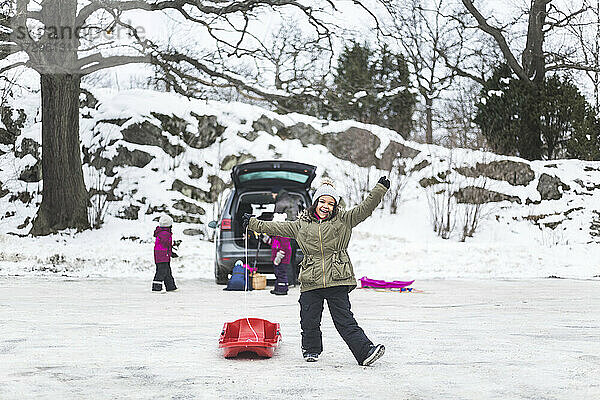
(530, 143)
(533, 58)
(429, 120)
(64, 197)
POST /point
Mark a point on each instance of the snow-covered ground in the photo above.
(66, 338)
(77, 320)
(393, 247)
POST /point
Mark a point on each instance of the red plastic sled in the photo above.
(249, 334)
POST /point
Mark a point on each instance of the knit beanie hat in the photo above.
(165, 221)
(326, 189)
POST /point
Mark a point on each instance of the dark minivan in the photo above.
(259, 187)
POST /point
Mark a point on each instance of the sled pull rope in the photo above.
(246, 283)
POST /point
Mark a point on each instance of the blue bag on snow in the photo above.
(240, 278)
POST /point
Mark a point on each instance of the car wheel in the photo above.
(221, 277)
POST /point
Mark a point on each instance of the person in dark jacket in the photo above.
(163, 251)
(287, 203)
(323, 232)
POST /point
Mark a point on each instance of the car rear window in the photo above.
(287, 175)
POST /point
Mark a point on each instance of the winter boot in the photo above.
(310, 357)
(375, 353)
(157, 286)
(278, 293)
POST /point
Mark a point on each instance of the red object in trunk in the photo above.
(249, 334)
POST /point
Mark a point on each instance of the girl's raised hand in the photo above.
(384, 181)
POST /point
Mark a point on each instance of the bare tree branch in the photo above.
(15, 65)
(375, 19)
(8, 49)
(207, 14)
(566, 20)
(97, 63)
(499, 38)
(461, 72)
(229, 8)
(166, 59)
(427, 39)
(572, 66)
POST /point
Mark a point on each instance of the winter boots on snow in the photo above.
(374, 354)
(310, 357)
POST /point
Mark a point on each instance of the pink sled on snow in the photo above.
(379, 284)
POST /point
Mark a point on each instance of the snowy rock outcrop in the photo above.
(146, 153)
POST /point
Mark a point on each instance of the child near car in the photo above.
(281, 253)
(163, 251)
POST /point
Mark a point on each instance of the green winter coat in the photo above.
(324, 244)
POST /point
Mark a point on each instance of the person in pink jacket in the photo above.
(281, 256)
(163, 251)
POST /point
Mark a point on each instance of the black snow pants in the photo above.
(163, 274)
(311, 310)
(281, 278)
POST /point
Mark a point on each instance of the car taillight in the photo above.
(226, 224)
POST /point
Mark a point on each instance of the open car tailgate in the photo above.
(270, 173)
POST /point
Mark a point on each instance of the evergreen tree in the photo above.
(532, 122)
(500, 112)
(584, 144)
(372, 87)
(353, 96)
(395, 103)
(563, 111)
(369, 86)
